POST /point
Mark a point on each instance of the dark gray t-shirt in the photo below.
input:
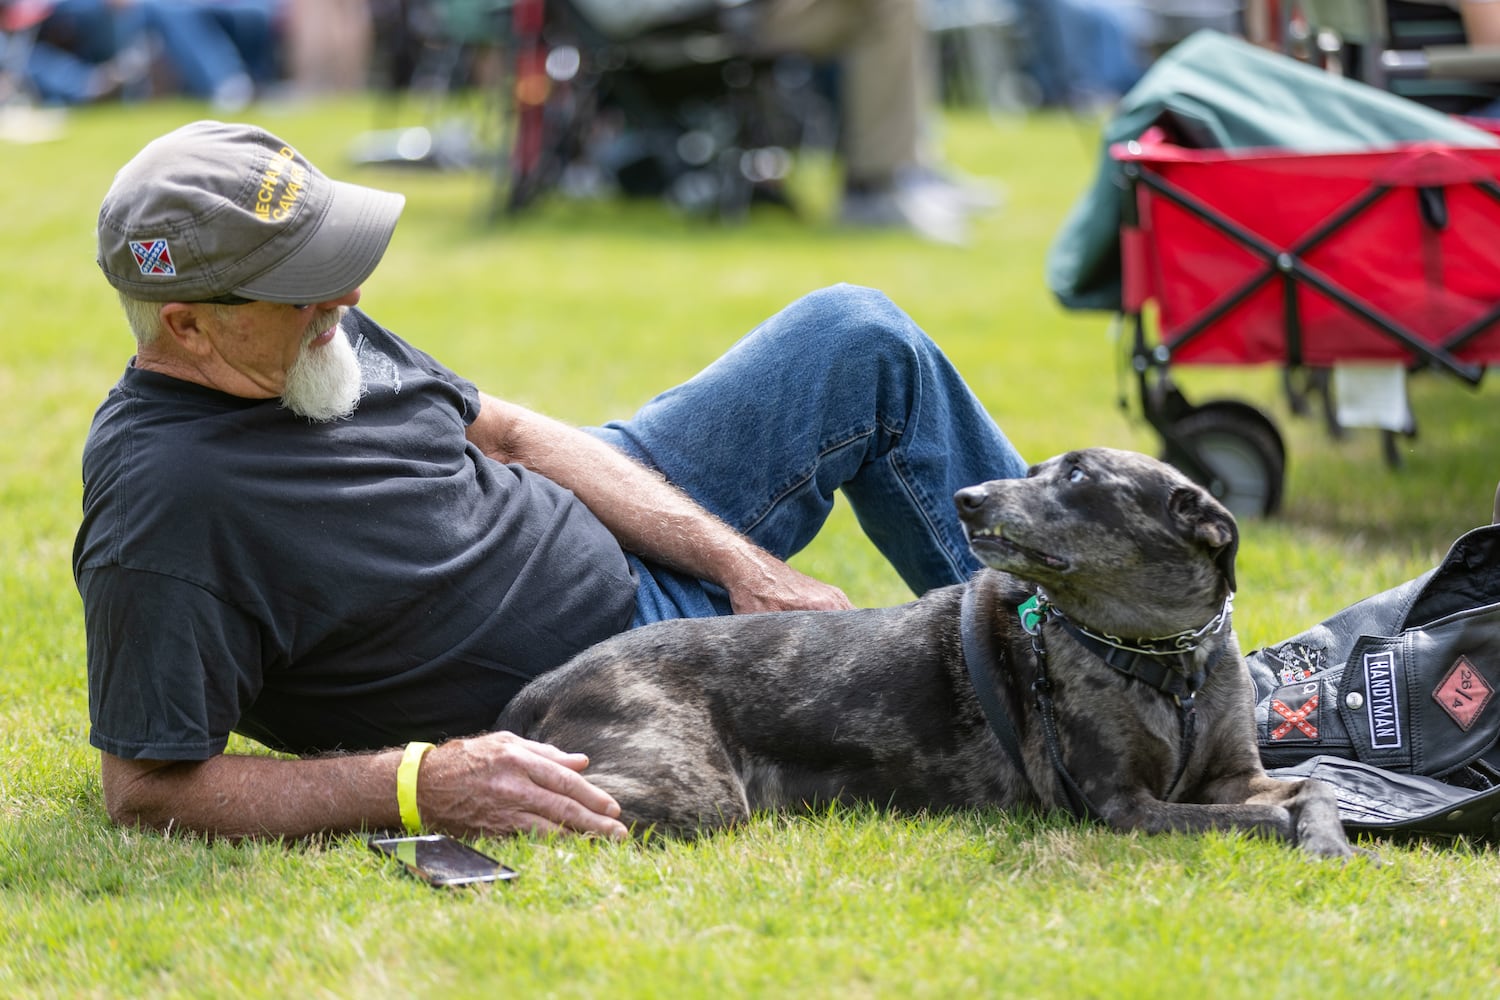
(348, 585)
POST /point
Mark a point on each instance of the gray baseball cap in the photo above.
(214, 210)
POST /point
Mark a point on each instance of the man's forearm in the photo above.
(245, 796)
(647, 514)
(493, 783)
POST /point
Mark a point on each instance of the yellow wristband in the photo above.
(406, 785)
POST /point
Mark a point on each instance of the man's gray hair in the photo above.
(144, 318)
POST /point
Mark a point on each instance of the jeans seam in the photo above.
(802, 480)
(903, 476)
(902, 472)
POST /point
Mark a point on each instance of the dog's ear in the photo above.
(1208, 522)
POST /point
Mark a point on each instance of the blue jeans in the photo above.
(206, 45)
(1088, 50)
(210, 45)
(841, 390)
(77, 38)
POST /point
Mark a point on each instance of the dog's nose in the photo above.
(970, 499)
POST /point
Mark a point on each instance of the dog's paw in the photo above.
(1333, 844)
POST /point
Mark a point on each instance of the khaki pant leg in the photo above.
(882, 48)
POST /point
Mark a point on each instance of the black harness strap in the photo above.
(977, 656)
(1078, 802)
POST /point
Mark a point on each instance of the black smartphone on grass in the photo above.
(440, 860)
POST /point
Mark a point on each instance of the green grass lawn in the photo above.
(584, 310)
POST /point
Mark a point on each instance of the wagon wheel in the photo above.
(1234, 451)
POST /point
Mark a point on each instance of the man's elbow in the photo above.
(127, 814)
(133, 811)
(136, 794)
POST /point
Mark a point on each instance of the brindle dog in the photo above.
(1130, 703)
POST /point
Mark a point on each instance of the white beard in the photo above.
(324, 382)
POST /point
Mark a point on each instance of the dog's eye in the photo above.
(1076, 474)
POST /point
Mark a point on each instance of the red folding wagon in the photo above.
(1309, 261)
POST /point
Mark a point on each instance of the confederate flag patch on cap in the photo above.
(153, 257)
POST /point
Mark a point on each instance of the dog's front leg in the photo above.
(1301, 812)
(1314, 809)
(1140, 810)
(1310, 808)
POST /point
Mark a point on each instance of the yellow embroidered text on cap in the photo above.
(270, 208)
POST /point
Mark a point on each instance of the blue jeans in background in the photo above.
(219, 51)
(76, 40)
(841, 390)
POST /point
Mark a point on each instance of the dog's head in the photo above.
(1117, 539)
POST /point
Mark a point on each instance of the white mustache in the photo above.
(324, 323)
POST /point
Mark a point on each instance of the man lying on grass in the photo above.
(299, 527)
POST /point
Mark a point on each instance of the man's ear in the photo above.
(182, 322)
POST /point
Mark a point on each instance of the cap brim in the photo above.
(341, 254)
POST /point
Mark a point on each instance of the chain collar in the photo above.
(1038, 609)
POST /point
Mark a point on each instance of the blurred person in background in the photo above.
(84, 50)
(1086, 53)
(328, 45)
(221, 51)
(887, 103)
(885, 82)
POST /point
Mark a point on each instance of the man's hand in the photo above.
(768, 584)
(500, 783)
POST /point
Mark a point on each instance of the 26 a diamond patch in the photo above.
(1463, 693)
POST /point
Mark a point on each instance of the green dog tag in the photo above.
(1032, 614)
